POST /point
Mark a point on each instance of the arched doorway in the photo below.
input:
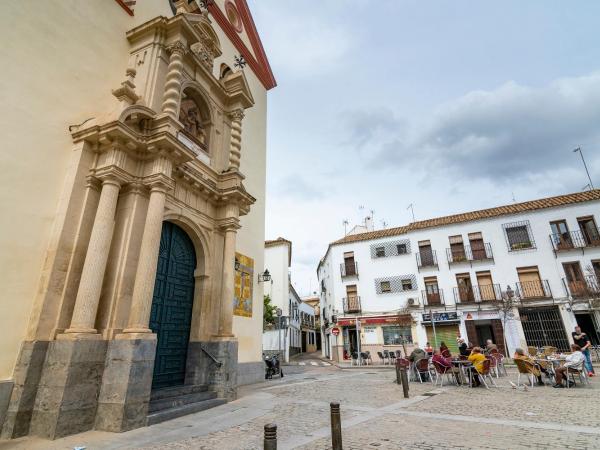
(172, 303)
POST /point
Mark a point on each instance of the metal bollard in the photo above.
(398, 377)
(270, 442)
(336, 426)
(404, 377)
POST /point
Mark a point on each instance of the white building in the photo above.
(278, 258)
(460, 268)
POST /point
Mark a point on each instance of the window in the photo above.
(396, 335)
(401, 248)
(407, 285)
(380, 252)
(518, 235)
(385, 286)
(589, 230)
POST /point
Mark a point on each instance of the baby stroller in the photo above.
(273, 367)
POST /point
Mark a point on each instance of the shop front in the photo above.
(482, 326)
(374, 334)
(443, 329)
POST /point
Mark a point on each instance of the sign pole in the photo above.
(358, 340)
(433, 326)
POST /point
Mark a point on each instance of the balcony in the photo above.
(468, 254)
(574, 240)
(534, 290)
(349, 269)
(589, 287)
(352, 304)
(477, 294)
(308, 323)
(433, 297)
(426, 259)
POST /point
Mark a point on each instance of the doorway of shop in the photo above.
(588, 326)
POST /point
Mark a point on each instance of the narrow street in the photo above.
(374, 415)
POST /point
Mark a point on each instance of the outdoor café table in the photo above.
(462, 365)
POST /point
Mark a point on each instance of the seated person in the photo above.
(462, 347)
(416, 355)
(489, 346)
(572, 360)
(446, 362)
(444, 350)
(476, 358)
(536, 368)
(429, 349)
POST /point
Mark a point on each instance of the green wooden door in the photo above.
(172, 302)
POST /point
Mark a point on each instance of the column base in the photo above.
(126, 383)
(27, 374)
(201, 369)
(68, 390)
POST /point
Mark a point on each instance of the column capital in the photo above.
(159, 182)
(176, 47)
(229, 224)
(92, 182)
(112, 175)
(237, 114)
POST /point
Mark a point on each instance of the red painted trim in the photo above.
(260, 67)
(125, 7)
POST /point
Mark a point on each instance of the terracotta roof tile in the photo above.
(550, 202)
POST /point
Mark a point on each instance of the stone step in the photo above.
(177, 391)
(173, 413)
(180, 400)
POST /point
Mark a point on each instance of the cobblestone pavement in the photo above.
(374, 416)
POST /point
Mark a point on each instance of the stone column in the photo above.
(226, 309)
(172, 94)
(92, 276)
(145, 277)
(235, 143)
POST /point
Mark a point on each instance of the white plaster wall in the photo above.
(277, 262)
(503, 268)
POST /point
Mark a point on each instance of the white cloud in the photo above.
(300, 42)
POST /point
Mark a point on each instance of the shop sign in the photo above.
(404, 320)
(441, 317)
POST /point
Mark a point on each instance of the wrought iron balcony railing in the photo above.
(469, 253)
(349, 269)
(427, 258)
(575, 239)
(432, 297)
(589, 287)
(352, 304)
(535, 289)
(477, 294)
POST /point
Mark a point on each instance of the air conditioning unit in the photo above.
(412, 302)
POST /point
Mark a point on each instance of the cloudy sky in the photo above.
(449, 105)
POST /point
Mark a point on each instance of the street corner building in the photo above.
(522, 275)
(133, 172)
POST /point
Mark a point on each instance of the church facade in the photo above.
(134, 181)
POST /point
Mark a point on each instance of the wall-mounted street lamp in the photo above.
(509, 292)
(265, 276)
(237, 264)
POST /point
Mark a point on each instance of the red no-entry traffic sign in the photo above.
(335, 331)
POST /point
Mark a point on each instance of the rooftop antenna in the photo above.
(412, 210)
(586, 187)
(513, 197)
(578, 149)
(345, 223)
(384, 224)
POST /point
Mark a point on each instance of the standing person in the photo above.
(581, 339)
